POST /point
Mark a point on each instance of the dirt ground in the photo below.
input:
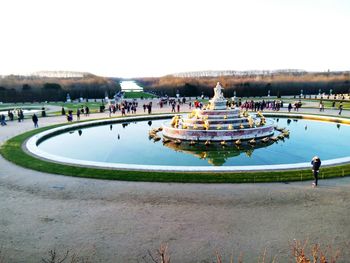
(111, 221)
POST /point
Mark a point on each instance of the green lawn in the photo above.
(12, 151)
(328, 104)
(93, 106)
(137, 95)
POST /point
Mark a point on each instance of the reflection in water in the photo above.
(215, 153)
(150, 123)
(111, 127)
(118, 136)
(289, 121)
(125, 124)
(80, 132)
(249, 152)
(338, 126)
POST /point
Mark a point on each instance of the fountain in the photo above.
(218, 122)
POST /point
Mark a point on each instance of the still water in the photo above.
(129, 143)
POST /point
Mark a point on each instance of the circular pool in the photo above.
(124, 144)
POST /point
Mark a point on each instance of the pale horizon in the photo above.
(155, 38)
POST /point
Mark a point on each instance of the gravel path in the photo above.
(115, 221)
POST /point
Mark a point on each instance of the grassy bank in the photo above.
(12, 151)
(138, 95)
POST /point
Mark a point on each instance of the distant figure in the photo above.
(35, 120)
(10, 115)
(321, 106)
(78, 114)
(290, 107)
(70, 116)
(123, 110)
(20, 115)
(3, 120)
(43, 112)
(340, 108)
(63, 111)
(87, 111)
(316, 164)
(178, 107)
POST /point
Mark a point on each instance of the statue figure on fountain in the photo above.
(218, 91)
(218, 102)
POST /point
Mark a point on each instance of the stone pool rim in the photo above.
(30, 146)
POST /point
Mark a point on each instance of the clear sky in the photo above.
(133, 38)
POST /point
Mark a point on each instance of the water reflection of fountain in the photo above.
(215, 153)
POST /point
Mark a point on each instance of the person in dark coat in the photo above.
(3, 120)
(316, 164)
(35, 120)
(340, 108)
(78, 114)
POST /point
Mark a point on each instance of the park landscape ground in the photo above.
(115, 221)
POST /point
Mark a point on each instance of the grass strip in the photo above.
(13, 152)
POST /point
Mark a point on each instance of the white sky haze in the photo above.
(134, 38)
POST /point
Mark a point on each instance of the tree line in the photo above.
(37, 89)
(248, 86)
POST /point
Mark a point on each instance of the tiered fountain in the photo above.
(218, 122)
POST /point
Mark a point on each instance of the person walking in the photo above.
(87, 111)
(150, 108)
(316, 164)
(340, 108)
(78, 114)
(3, 120)
(35, 120)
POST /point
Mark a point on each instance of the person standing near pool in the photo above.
(78, 114)
(316, 164)
(340, 108)
(3, 120)
(35, 120)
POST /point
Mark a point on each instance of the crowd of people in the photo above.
(11, 114)
(174, 105)
(274, 105)
(124, 107)
(85, 110)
